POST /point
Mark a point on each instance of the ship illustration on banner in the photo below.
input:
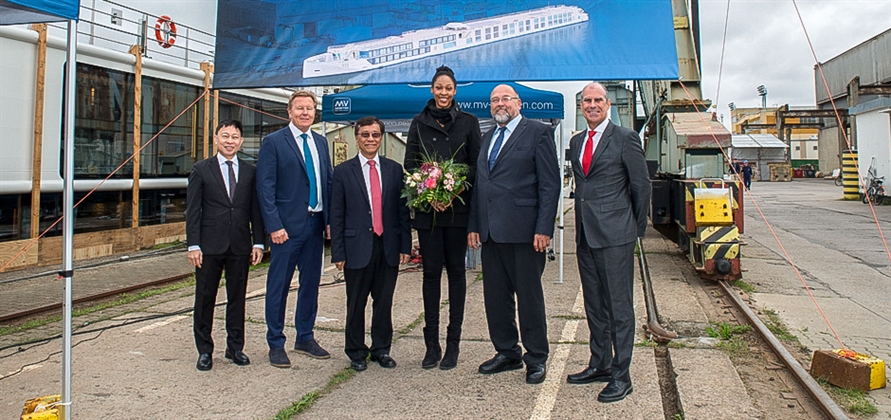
(453, 36)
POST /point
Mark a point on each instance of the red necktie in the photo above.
(589, 152)
(377, 214)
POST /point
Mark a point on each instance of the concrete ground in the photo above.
(841, 295)
(140, 364)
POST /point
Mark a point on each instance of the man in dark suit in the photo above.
(512, 215)
(222, 222)
(370, 237)
(612, 194)
(294, 185)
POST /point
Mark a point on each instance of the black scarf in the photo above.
(442, 115)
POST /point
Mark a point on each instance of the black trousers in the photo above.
(607, 276)
(443, 245)
(207, 282)
(379, 280)
(509, 270)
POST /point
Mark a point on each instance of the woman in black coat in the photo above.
(442, 131)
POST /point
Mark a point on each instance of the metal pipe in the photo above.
(68, 216)
(810, 385)
(657, 332)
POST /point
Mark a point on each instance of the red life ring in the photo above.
(165, 31)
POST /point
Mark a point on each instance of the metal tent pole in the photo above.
(68, 215)
(560, 215)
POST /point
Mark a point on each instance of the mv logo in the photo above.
(342, 106)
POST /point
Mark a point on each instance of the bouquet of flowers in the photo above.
(435, 184)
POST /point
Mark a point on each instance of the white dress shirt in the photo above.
(597, 136)
(366, 173)
(511, 126)
(315, 160)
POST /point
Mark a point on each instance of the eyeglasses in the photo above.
(235, 137)
(366, 135)
(504, 99)
(300, 109)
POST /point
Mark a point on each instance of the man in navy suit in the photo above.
(512, 213)
(612, 194)
(222, 221)
(370, 237)
(294, 186)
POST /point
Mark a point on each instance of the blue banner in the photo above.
(37, 11)
(281, 43)
(405, 101)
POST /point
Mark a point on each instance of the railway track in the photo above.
(13, 317)
(820, 399)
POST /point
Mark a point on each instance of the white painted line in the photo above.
(551, 386)
(160, 324)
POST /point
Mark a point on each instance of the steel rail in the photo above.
(101, 295)
(820, 397)
(657, 332)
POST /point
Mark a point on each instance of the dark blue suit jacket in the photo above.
(282, 183)
(351, 224)
(518, 198)
(212, 221)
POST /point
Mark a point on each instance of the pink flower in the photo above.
(448, 187)
(436, 173)
(430, 182)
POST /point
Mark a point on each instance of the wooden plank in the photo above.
(37, 149)
(10, 249)
(161, 234)
(95, 251)
(137, 131)
(208, 71)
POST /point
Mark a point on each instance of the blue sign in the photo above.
(341, 106)
(266, 43)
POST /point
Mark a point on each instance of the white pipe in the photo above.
(68, 214)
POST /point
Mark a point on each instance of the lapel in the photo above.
(575, 145)
(601, 146)
(218, 175)
(483, 160)
(355, 166)
(242, 179)
(385, 168)
(515, 136)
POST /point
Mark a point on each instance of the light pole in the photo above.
(762, 92)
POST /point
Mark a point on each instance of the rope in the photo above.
(786, 255)
(844, 133)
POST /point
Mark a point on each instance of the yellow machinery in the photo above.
(43, 408)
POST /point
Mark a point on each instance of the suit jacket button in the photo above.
(369, 229)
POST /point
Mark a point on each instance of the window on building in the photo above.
(815, 147)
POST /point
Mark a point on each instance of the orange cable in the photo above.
(860, 176)
(33, 241)
(763, 217)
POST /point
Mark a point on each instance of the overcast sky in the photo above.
(766, 45)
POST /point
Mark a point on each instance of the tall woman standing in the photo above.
(443, 131)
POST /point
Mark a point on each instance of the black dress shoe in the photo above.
(535, 373)
(384, 360)
(358, 365)
(500, 363)
(616, 390)
(237, 357)
(589, 375)
(205, 361)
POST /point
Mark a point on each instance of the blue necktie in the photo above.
(310, 173)
(497, 146)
